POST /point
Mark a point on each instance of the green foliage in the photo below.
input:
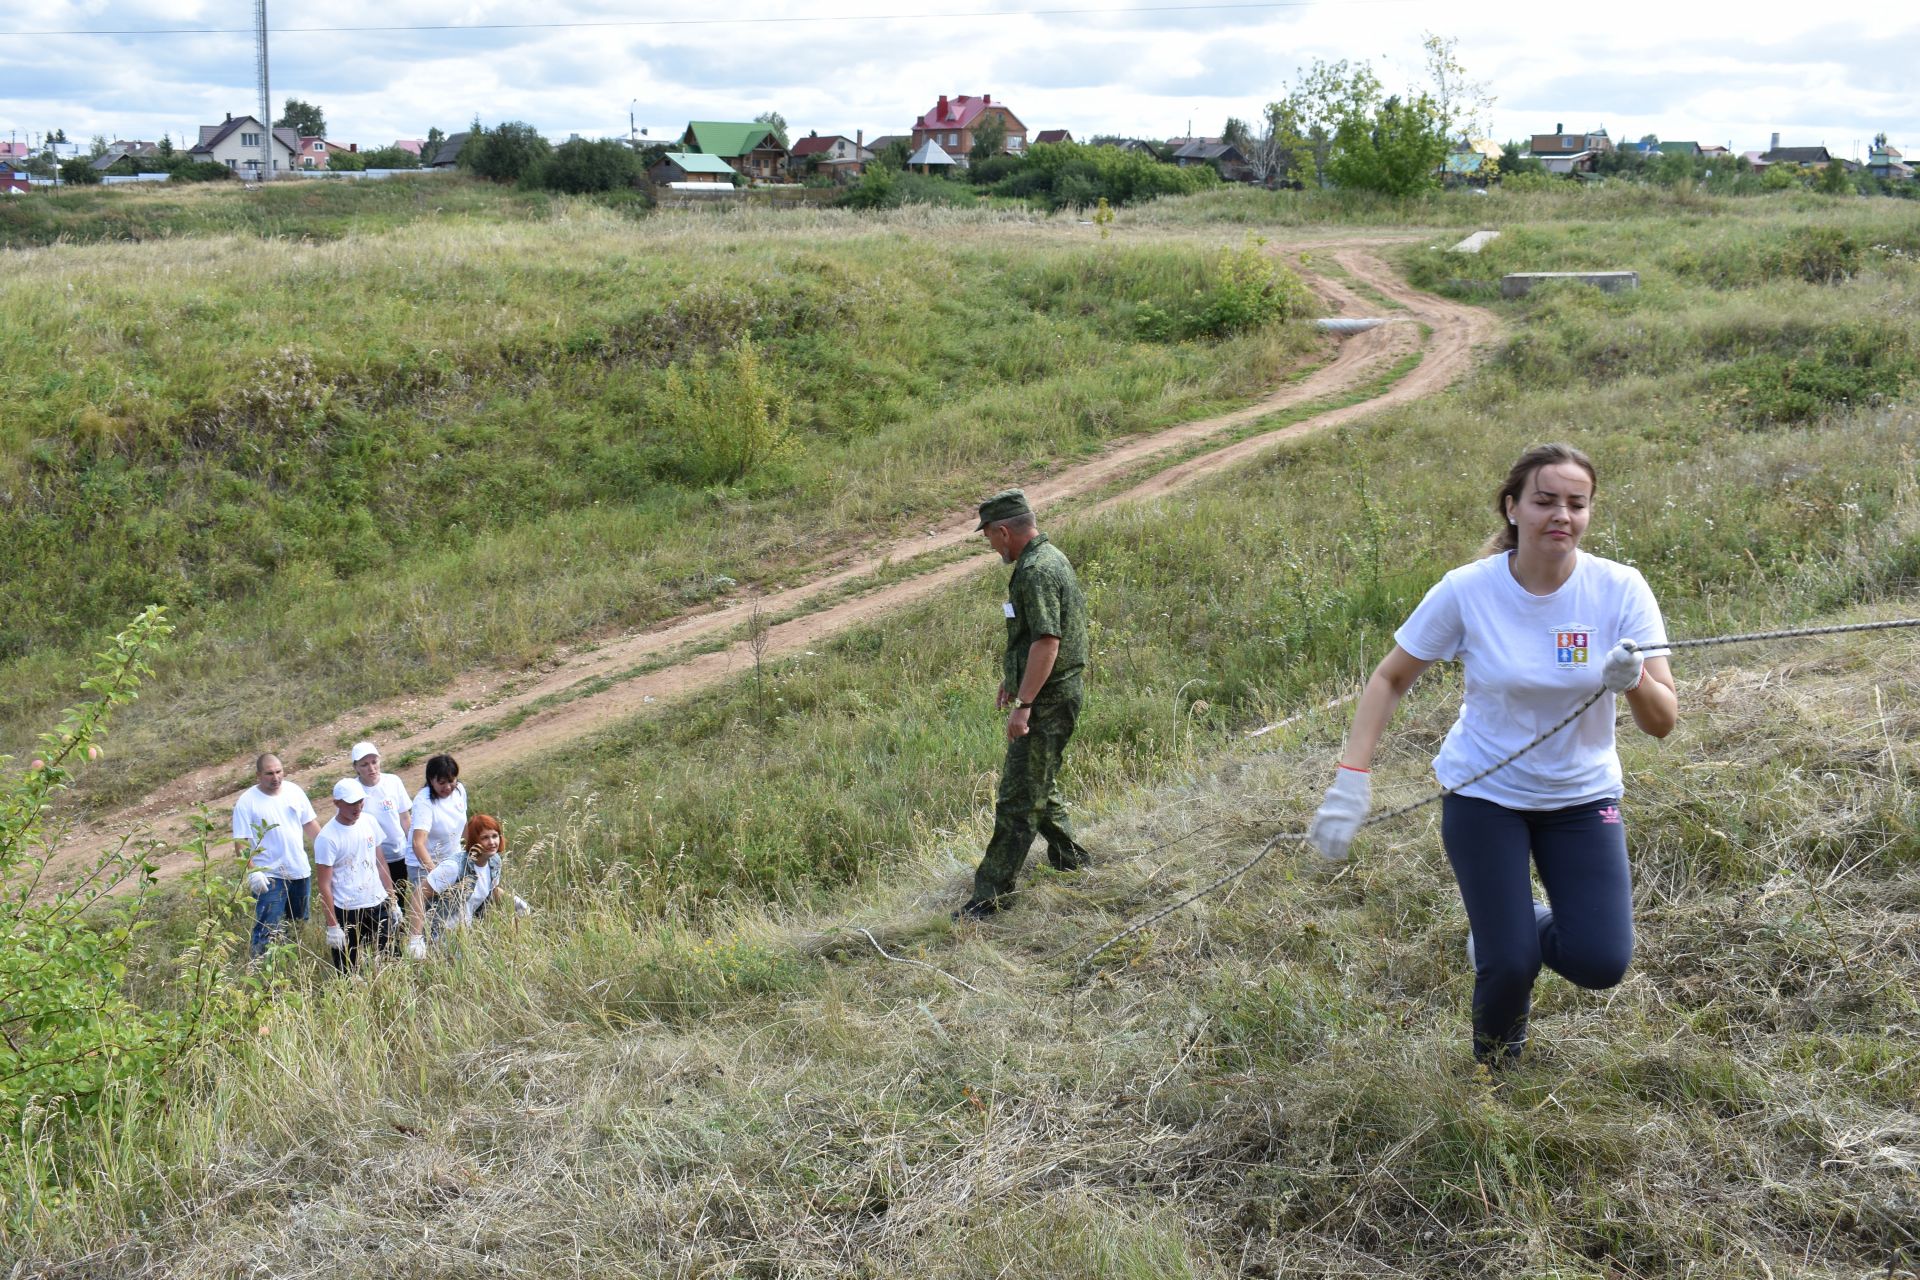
(1847, 367)
(774, 121)
(878, 188)
(79, 172)
(347, 162)
(580, 167)
(508, 152)
(989, 137)
(390, 158)
(719, 422)
(69, 1030)
(1303, 123)
(201, 171)
(1393, 152)
(1069, 175)
(1835, 181)
(304, 118)
(1246, 288)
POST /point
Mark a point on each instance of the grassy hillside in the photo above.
(693, 1062)
(460, 440)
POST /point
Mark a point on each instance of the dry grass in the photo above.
(1275, 1083)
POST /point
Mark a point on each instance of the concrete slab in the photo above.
(1521, 283)
(1476, 242)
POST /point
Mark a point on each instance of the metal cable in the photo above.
(1299, 837)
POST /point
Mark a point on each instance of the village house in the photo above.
(1885, 162)
(1052, 135)
(692, 168)
(14, 181)
(315, 152)
(236, 144)
(952, 122)
(1564, 144)
(1226, 159)
(752, 149)
(836, 155)
(447, 155)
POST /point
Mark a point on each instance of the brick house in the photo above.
(951, 123)
(836, 155)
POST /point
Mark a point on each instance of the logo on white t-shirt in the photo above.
(1570, 644)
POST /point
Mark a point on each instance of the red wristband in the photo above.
(1353, 768)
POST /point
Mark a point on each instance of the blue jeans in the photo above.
(1581, 855)
(284, 900)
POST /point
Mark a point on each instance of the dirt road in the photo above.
(593, 687)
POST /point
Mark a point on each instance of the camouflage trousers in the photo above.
(1029, 802)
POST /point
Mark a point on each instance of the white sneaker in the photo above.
(417, 947)
(1541, 914)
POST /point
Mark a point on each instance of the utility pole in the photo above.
(266, 107)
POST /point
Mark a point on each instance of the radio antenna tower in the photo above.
(266, 106)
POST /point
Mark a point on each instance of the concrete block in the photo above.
(1521, 283)
(1476, 242)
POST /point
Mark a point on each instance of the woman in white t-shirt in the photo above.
(459, 891)
(439, 818)
(1537, 625)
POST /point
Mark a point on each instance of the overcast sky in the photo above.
(1832, 73)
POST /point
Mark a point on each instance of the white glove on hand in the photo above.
(1624, 668)
(336, 937)
(394, 913)
(520, 907)
(1341, 813)
(258, 882)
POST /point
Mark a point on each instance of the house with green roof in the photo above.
(752, 149)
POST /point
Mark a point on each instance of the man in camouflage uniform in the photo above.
(1041, 681)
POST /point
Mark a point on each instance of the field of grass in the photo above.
(693, 1061)
(456, 442)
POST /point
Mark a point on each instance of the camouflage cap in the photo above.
(1004, 505)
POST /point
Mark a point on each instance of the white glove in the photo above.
(1341, 813)
(336, 937)
(394, 913)
(258, 882)
(417, 947)
(520, 907)
(1624, 668)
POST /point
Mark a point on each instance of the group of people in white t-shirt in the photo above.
(382, 864)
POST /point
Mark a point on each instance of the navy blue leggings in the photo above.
(1581, 854)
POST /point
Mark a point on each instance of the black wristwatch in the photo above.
(1020, 706)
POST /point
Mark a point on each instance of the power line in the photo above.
(710, 22)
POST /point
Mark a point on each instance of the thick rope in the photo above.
(1299, 837)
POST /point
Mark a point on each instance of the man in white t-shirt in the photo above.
(272, 822)
(391, 812)
(351, 877)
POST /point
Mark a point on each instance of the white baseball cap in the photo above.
(361, 750)
(349, 791)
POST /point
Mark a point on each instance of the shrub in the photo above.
(1245, 289)
(347, 162)
(390, 158)
(505, 153)
(877, 189)
(719, 424)
(201, 171)
(1068, 175)
(79, 172)
(69, 1030)
(580, 167)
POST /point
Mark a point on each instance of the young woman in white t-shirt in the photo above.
(439, 819)
(1537, 625)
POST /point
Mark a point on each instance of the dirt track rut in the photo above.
(554, 708)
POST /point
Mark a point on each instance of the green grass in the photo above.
(453, 444)
(693, 1062)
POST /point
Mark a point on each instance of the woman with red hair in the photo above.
(470, 884)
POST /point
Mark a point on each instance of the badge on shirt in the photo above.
(1008, 606)
(1571, 642)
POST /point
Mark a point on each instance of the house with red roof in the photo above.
(951, 123)
(834, 154)
(1053, 135)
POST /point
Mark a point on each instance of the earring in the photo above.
(1513, 522)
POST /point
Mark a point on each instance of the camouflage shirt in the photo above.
(1043, 599)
